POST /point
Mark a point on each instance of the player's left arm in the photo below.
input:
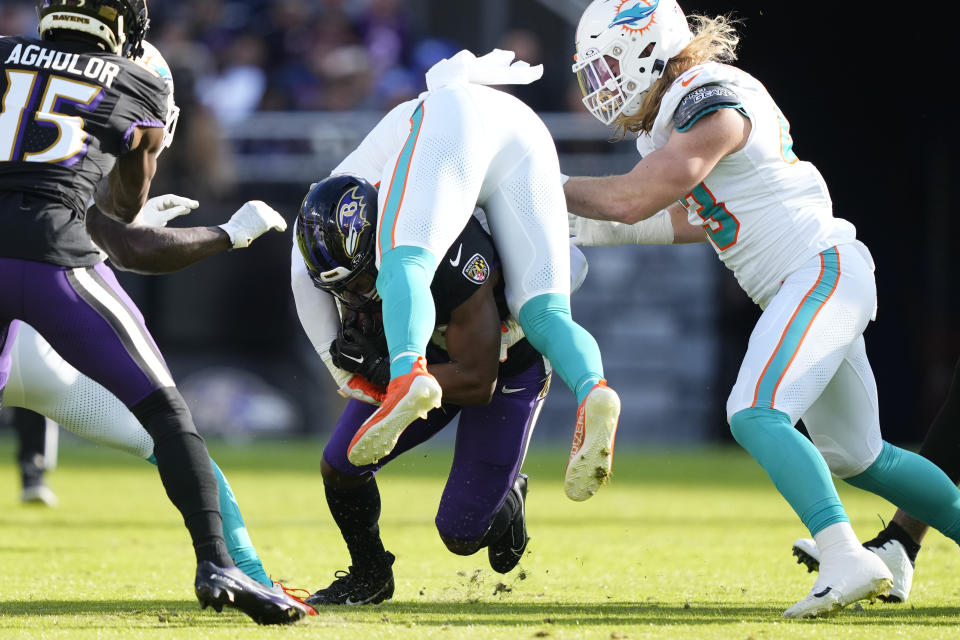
(662, 177)
(147, 246)
(473, 344)
(153, 250)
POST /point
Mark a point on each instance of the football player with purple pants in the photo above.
(82, 121)
(492, 378)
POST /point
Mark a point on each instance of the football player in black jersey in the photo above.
(82, 121)
(496, 397)
(36, 453)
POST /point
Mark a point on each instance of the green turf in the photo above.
(692, 544)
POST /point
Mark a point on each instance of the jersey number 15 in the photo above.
(18, 115)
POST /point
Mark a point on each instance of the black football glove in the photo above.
(357, 353)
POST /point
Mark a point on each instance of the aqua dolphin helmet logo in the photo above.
(351, 219)
(631, 17)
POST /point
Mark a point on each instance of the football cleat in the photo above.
(409, 397)
(889, 550)
(39, 494)
(591, 456)
(505, 552)
(806, 552)
(220, 587)
(855, 575)
(358, 586)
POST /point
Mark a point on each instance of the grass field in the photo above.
(685, 544)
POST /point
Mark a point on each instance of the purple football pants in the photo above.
(489, 450)
(88, 319)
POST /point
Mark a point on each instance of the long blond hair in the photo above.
(714, 39)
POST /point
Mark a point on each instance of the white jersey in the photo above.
(765, 211)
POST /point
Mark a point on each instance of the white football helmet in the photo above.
(153, 61)
(641, 35)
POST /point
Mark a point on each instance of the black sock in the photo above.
(31, 431)
(893, 531)
(356, 511)
(185, 471)
(941, 445)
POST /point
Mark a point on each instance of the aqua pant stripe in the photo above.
(398, 184)
(815, 299)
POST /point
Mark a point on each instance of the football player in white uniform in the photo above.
(461, 145)
(717, 155)
(42, 381)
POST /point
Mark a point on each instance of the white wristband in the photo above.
(658, 229)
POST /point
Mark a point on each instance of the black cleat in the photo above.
(358, 586)
(505, 552)
(806, 552)
(218, 587)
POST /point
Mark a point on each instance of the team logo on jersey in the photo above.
(351, 220)
(637, 17)
(477, 270)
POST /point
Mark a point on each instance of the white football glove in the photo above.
(251, 221)
(157, 212)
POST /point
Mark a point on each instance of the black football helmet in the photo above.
(120, 24)
(337, 233)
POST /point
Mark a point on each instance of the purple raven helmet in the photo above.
(336, 232)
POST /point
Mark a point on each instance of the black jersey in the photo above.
(67, 114)
(466, 267)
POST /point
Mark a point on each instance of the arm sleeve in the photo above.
(317, 310)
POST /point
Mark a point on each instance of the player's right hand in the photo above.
(353, 351)
(158, 211)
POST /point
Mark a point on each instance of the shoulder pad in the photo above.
(701, 101)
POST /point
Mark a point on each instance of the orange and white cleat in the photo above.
(409, 397)
(591, 457)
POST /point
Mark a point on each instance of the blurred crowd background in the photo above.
(274, 92)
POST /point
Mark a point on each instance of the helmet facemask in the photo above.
(606, 93)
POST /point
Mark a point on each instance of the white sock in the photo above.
(835, 539)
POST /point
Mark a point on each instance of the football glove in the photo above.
(358, 353)
(251, 221)
(157, 212)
